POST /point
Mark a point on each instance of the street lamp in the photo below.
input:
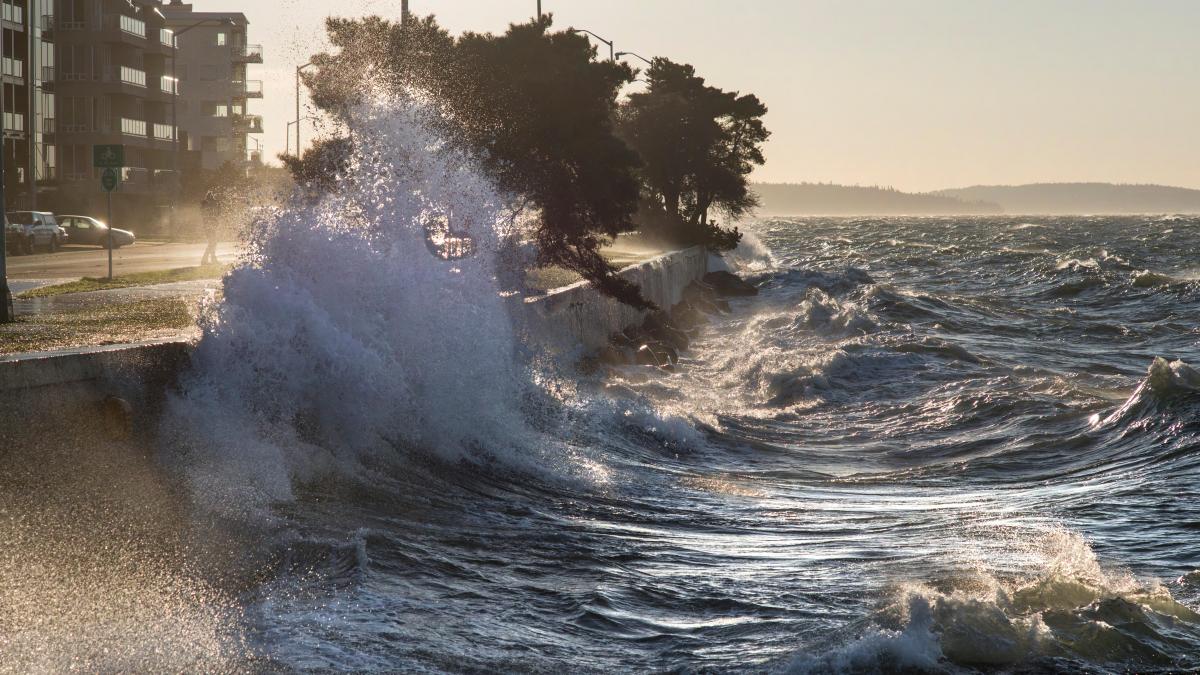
(297, 122)
(607, 42)
(6, 306)
(288, 135)
(175, 105)
(648, 61)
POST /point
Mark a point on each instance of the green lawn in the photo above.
(127, 280)
(104, 323)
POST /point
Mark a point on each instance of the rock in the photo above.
(657, 326)
(647, 357)
(612, 356)
(686, 316)
(118, 418)
(722, 306)
(666, 353)
(729, 284)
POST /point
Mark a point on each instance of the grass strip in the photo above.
(126, 280)
(104, 323)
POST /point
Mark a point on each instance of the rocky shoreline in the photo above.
(660, 338)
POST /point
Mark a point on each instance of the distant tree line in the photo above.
(542, 115)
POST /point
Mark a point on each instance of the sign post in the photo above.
(111, 158)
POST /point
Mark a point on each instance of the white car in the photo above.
(36, 229)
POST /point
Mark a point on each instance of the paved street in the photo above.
(74, 262)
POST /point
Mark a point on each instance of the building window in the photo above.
(236, 109)
(222, 39)
(216, 109)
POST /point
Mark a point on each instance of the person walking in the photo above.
(210, 213)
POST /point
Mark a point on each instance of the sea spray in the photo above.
(342, 342)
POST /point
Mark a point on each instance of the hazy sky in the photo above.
(918, 94)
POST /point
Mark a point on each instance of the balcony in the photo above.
(131, 76)
(13, 13)
(12, 67)
(247, 89)
(247, 124)
(47, 25)
(164, 132)
(166, 37)
(14, 122)
(133, 127)
(133, 26)
(48, 125)
(248, 53)
(168, 85)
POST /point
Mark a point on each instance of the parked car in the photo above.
(14, 237)
(37, 228)
(89, 231)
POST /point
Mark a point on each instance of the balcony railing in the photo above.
(248, 124)
(12, 67)
(47, 22)
(14, 121)
(248, 88)
(13, 13)
(168, 84)
(133, 127)
(166, 36)
(248, 53)
(133, 26)
(132, 76)
(164, 132)
(48, 125)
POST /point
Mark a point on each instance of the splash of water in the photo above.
(341, 343)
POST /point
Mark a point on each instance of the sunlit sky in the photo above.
(919, 94)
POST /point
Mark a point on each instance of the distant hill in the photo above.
(798, 199)
(1082, 198)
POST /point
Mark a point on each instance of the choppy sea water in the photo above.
(928, 444)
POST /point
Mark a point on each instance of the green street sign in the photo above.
(108, 156)
(109, 179)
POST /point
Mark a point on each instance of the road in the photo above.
(74, 262)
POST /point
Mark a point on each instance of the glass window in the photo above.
(222, 39)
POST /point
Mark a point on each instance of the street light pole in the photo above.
(6, 306)
(298, 69)
(648, 61)
(611, 57)
(539, 10)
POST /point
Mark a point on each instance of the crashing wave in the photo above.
(1069, 607)
(342, 342)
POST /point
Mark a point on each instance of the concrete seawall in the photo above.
(46, 390)
(577, 316)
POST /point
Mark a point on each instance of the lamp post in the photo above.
(648, 61)
(607, 42)
(6, 307)
(175, 106)
(539, 14)
(298, 70)
(306, 118)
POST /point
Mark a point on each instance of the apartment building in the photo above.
(215, 94)
(112, 85)
(27, 97)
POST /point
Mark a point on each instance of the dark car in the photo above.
(34, 229)
(89, 231)
(14, 237)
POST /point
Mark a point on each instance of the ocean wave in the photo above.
(1068, 607)
(343, 343)
(1165, 380)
